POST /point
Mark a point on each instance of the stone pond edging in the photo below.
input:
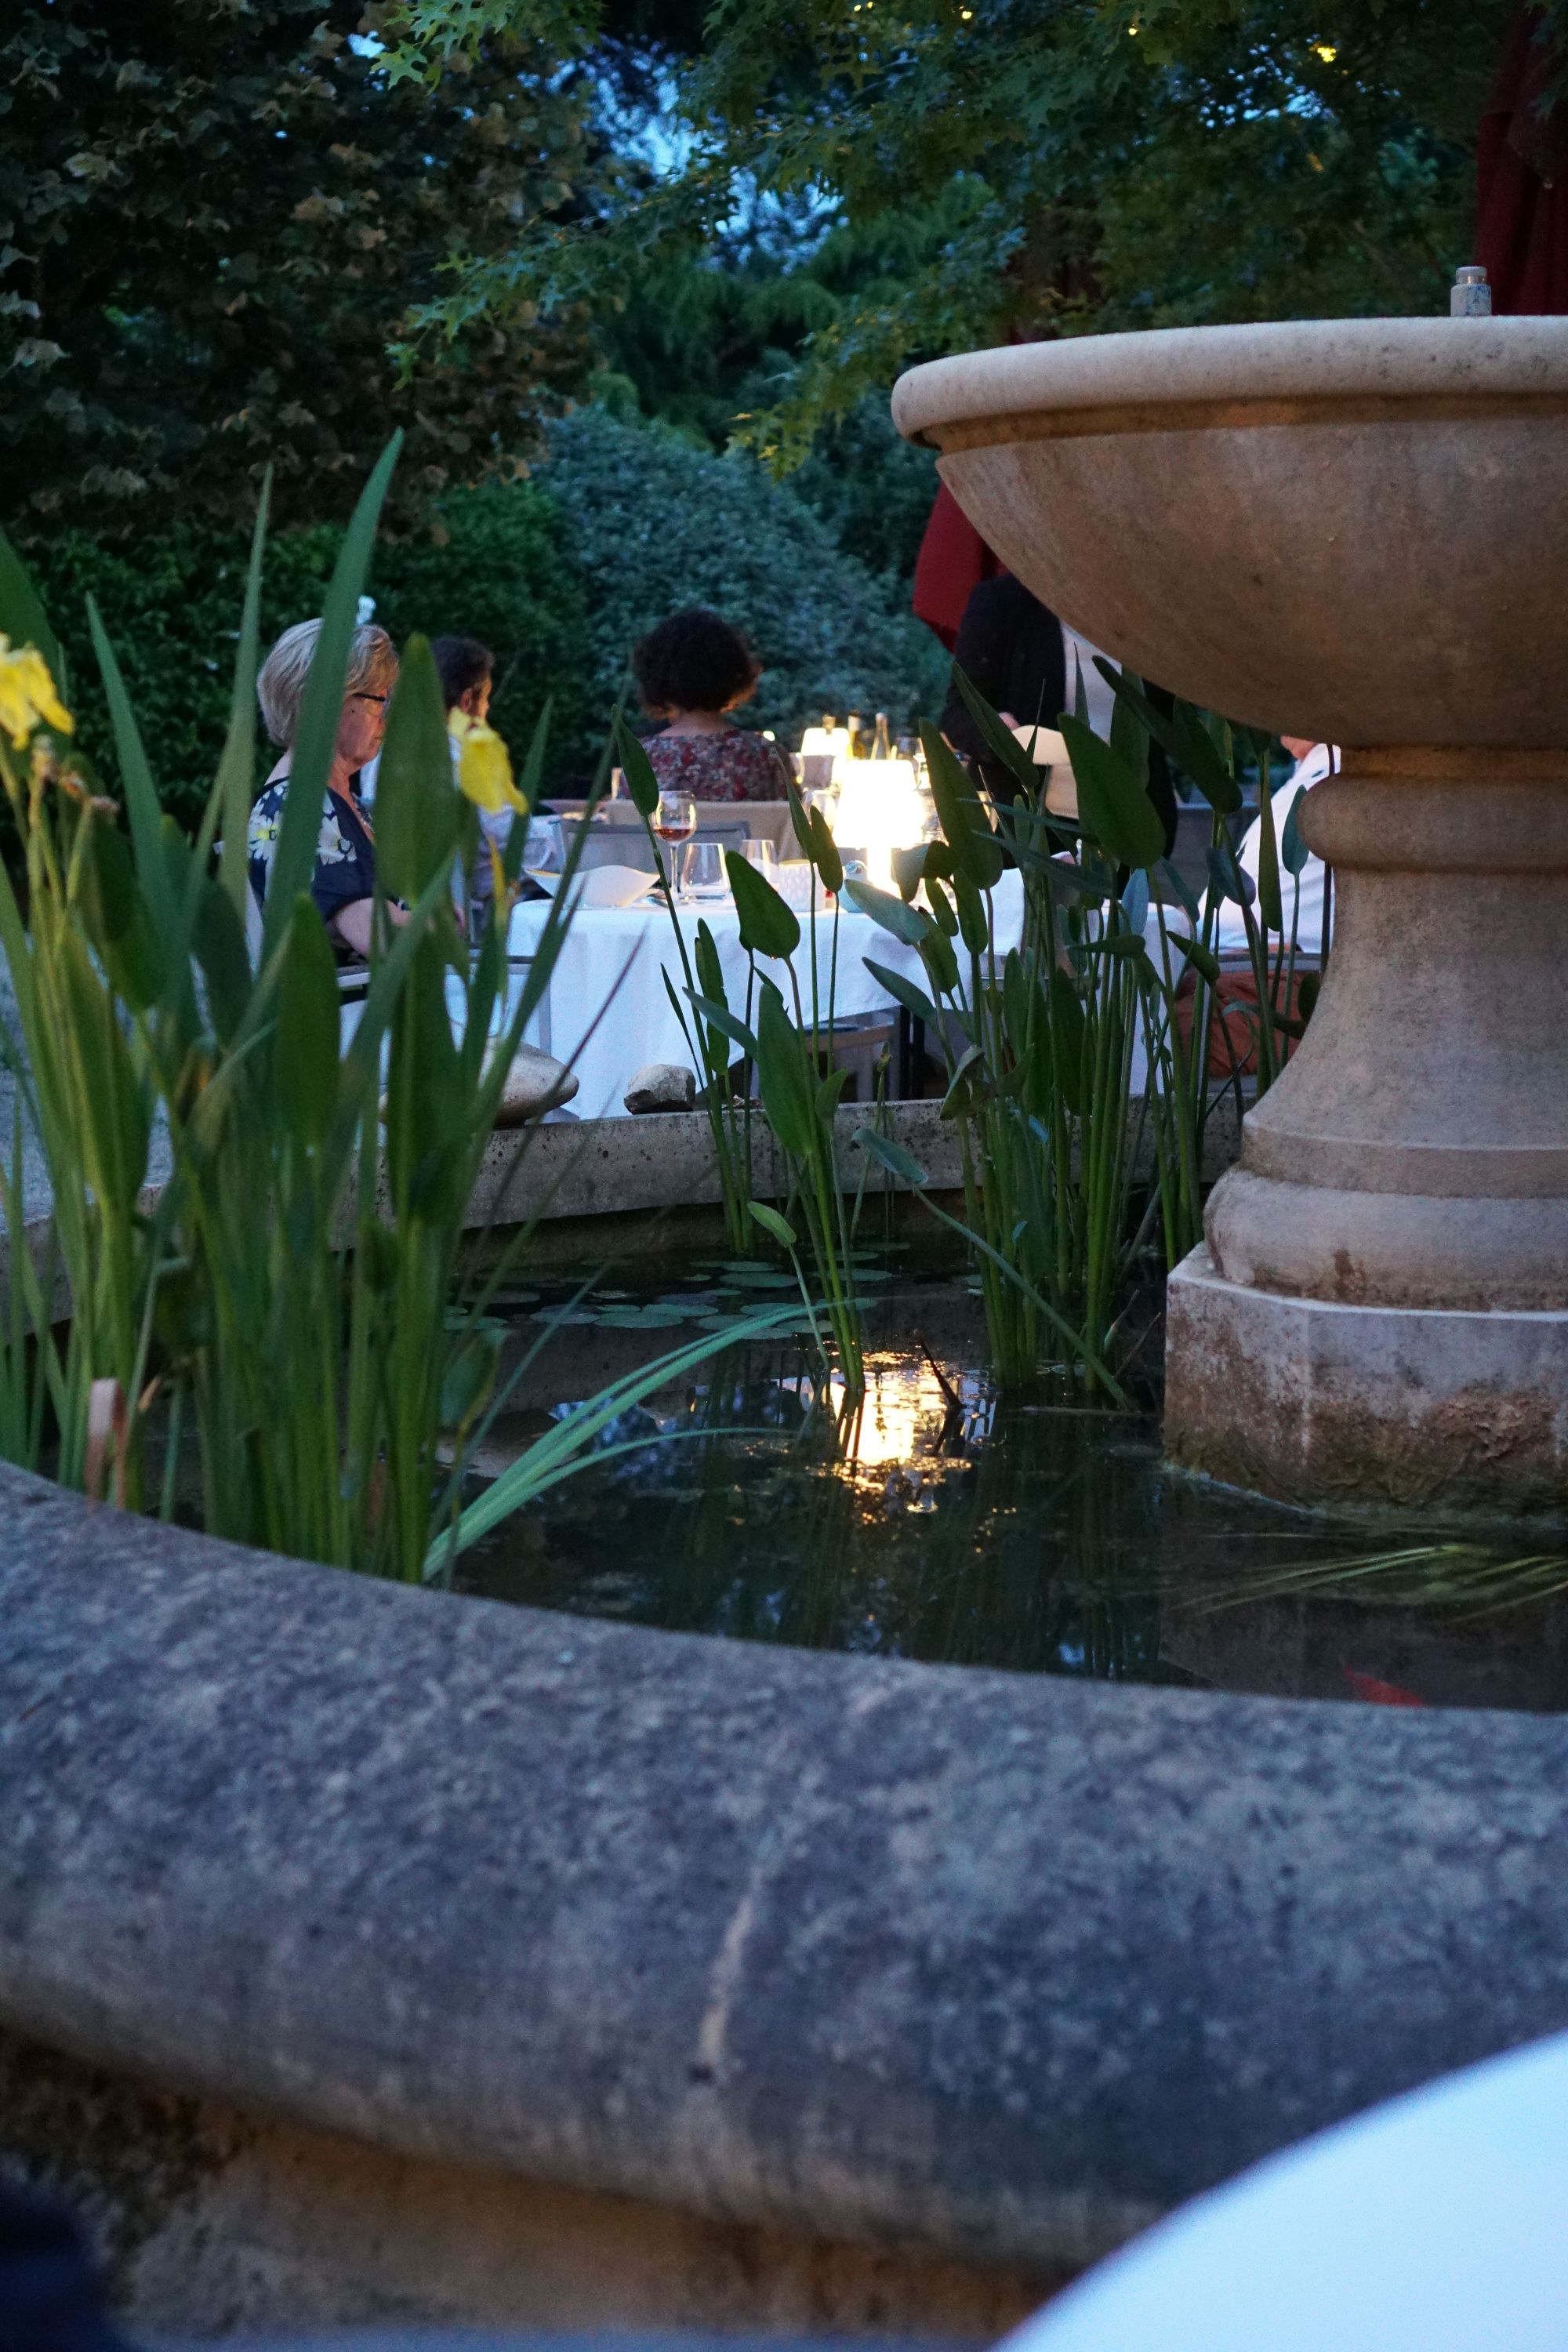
(367, 1954)
(981, 1970)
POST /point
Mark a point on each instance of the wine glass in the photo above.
(675, 818)
(702, 874)
(543, 856)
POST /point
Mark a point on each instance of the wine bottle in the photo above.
(881, 749)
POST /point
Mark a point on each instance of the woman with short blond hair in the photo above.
(343, 883)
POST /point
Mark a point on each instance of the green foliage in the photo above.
(212, 220)
(656, 524)
(1141, 162)
(559, 575)
(493, 565)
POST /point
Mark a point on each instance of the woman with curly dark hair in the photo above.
(691, 672)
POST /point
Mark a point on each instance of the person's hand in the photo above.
(352, 923)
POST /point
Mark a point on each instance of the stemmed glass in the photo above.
(675, 819)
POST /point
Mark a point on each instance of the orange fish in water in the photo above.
(1376, 1692)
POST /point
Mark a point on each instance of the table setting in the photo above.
(607, 1011)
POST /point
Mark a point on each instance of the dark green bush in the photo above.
(656, 524)
(172, 608)
(559, 575)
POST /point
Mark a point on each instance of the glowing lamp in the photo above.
(880, 808)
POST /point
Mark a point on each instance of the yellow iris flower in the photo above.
(484, 766)
(27, 697)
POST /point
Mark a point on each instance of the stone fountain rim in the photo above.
(1296, 371)
(985, 1963)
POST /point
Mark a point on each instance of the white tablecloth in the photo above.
(639, 1027)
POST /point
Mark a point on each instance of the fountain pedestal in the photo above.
(1382, 1308)
(1354, 532)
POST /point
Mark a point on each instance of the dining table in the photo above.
(607, 1013)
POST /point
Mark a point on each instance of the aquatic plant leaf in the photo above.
(940, 964)
(708, 968)
(903, 991)
(321, 713)
(23, 618)
(938, 899)
(1198, 956)
(719, 1016)
(907, 924)
(217, 937)
(418, 815)
(907, 866)
(1112, 803)
(974, 848)
(638, 768)
(784, 1078)
(893, 1155)
(1268, 906)
(229, 805)
(1000, 740)
(767, 926)
(116, 915)
(973, 921)
(823, 852)
(1129, 731)
(1229, 877)
(1293, 850)
(772, 1222)
(1069, 1028)
(1190, 743)
(306, 1060)
(1170, 879)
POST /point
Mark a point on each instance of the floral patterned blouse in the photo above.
(733, 766)
(345, 860)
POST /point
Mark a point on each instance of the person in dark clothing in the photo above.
(1015, 652)
(1011, 649)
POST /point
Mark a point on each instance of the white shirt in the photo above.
(1307, 912)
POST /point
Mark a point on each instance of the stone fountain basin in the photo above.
(368, 1955)
(1351, 530)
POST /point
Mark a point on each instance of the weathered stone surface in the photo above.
(205, 2220)
(1371, 510)
(991, 1965)
(661, 1085)
(1320, 1402)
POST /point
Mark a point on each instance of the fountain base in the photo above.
(1315, 1401)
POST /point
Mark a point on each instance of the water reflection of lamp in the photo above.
(880, 808)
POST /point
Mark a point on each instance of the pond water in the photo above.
(1042, 1534)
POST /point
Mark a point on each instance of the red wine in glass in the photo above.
(675, 819)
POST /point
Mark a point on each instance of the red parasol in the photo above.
(1522, 213)
(953, 560)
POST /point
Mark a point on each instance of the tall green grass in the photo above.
(295, 1290)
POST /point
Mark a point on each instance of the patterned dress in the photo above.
(733, 766)
(346, 858)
